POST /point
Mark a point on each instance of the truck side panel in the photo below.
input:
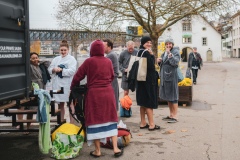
(14, 49)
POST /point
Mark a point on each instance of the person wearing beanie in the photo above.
(169, 78)
(108, 46)
(146, 91)
(100, 106)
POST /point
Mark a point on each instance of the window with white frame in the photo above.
(204, 41)
(187, 40)
(186, 27)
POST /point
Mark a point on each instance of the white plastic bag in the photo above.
(121, 124)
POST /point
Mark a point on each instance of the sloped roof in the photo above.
(236, 14)
(210, 24)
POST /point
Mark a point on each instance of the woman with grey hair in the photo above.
(169, 78)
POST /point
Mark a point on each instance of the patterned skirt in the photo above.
(101, 131)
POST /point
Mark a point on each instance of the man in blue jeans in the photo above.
(195, 63)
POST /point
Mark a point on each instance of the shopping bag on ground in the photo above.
(66, 146)
(66, 142)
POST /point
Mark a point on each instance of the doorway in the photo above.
(209, 55)
(185, 53)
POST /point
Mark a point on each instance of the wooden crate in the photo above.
(185, 95)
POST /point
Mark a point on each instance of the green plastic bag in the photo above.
(67, 146)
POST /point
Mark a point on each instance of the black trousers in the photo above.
(194, 74)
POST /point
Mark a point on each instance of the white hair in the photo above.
(130, 43)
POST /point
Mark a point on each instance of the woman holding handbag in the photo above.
(146, 91)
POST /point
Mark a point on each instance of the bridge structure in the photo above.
(75, 37)
(119, 38)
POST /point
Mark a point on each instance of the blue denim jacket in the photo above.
(44, 101)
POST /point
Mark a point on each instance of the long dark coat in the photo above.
(169, 77)
(113, 57)
(100, 106)
(146, 91)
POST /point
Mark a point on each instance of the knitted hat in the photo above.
(97, 48)
(145, 39)
(170, 40)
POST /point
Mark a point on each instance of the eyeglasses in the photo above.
(63, 50)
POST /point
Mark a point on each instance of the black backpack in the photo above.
(77, 96)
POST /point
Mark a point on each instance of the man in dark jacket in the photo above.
(195, 63)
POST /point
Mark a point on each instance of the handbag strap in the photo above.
(141, 54)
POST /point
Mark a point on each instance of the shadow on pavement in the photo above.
(20, 147)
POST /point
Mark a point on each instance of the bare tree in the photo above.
(153, 15)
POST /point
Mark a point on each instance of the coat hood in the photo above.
(97, 48)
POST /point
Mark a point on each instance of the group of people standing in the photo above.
(102, 98)
(146, 91)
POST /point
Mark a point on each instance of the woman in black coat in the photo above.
(146, 91)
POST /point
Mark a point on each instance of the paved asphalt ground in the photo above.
(209, 129)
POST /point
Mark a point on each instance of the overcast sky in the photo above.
(41, 13)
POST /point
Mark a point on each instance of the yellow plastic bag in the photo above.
(185, 82)
(69, 129)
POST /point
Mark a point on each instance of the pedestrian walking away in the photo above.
(100, 105)
(108, 46)
(146, 91)
(168, 89)
(195, 63)
(124, 60)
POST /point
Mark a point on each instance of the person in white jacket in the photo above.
(62, 69)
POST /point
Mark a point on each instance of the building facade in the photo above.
(227, 41)
(236, 35)
(195, 31)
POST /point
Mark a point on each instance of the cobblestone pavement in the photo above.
(208, 129)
